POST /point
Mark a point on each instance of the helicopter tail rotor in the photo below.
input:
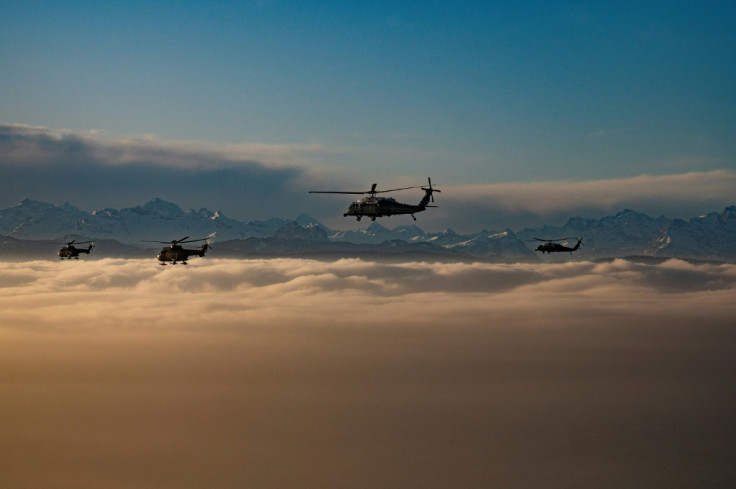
(208, 243)
(205, 247)
(430, 191)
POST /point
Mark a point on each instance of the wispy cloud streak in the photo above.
(670, 195)
(555, 196)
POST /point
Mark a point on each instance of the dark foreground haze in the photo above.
(356, 374)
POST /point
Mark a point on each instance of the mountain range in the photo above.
(31, 228)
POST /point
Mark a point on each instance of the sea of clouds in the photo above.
(127, 293)
(355, 373)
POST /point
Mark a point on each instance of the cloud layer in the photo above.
(514, 204)
(291, 289)
(122, 373)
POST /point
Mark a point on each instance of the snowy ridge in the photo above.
(156, 220)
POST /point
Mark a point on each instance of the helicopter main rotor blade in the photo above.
(74, 241)
(357, 193)
(193, 240)
(372, 191)
(393, 190)
(176, 241)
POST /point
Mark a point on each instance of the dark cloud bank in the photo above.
(298, 373)
(92, 174)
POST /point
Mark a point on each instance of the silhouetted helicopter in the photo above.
(174, 252)
(374, 207)
(70, 251)
(551, 245)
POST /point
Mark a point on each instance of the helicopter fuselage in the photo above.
(176, 253)
(374, 207)
(551, 247)
(70, 251)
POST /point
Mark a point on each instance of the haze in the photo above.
(352, 373)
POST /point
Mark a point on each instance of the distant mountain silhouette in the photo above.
(627, 233)
(156, 220)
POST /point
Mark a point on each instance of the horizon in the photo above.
(46, 165)
(626, 234)
(381, 222)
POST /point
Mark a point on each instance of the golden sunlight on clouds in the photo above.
(301, 373)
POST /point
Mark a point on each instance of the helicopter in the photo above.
(552, 246)
(374, 207)
(70, 251)
(175, 253)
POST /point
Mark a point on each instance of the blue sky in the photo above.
(349, 93)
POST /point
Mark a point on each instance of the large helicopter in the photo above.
(176, 253)
(552, 245)
(70, 251)
(374, 207)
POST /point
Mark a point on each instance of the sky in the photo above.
(351, 373)
(514, 111)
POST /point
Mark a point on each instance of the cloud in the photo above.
(553, 197)
(682, 195)
(122, 373)
(295, 289)
(25, 144)
(246, 181)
